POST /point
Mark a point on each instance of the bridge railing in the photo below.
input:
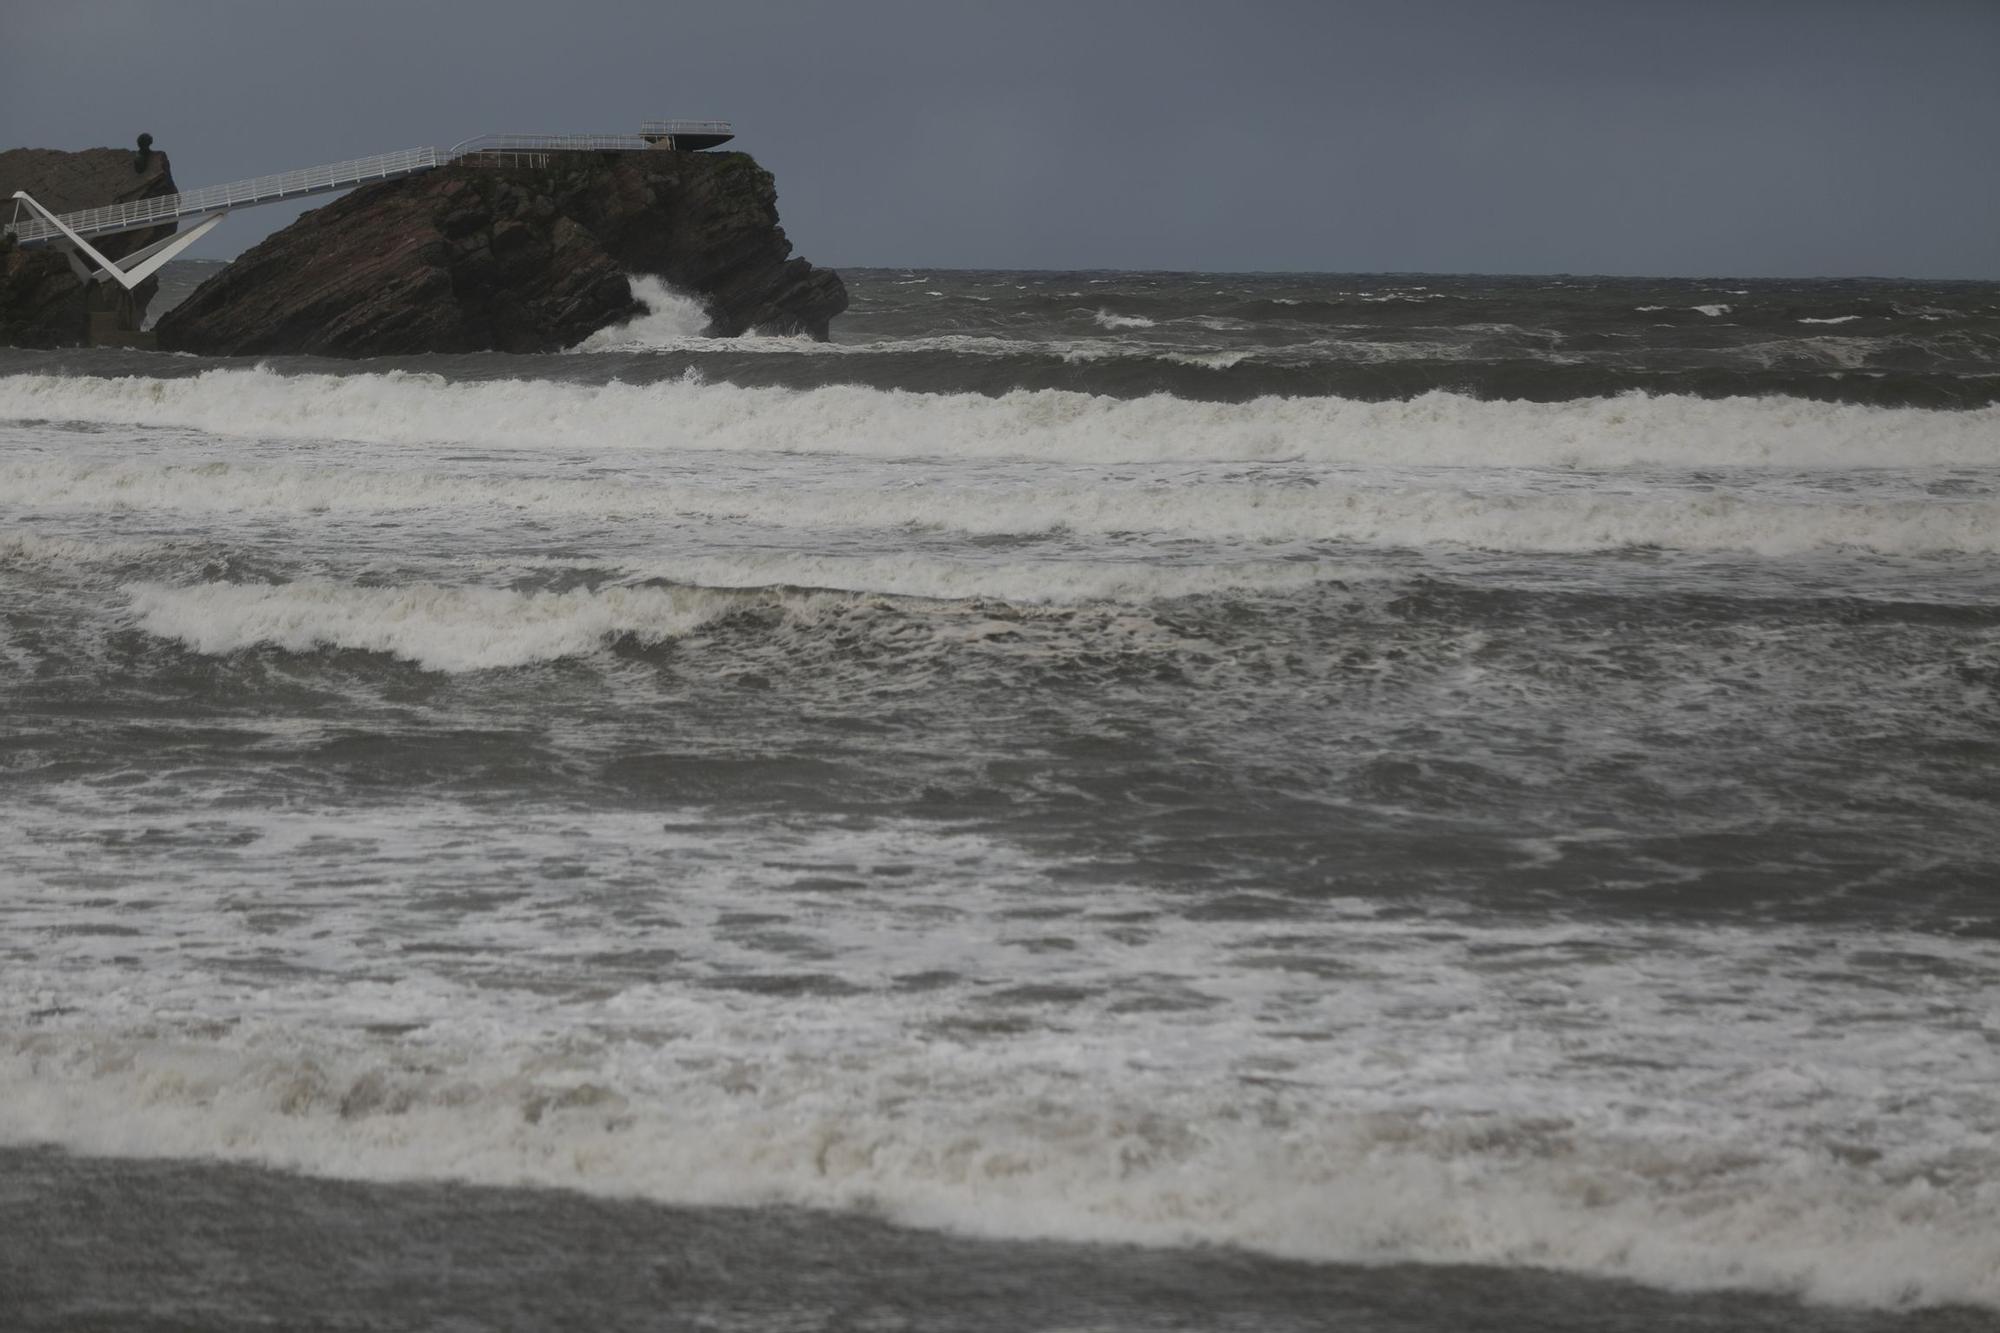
(139, 213)
(546, 143)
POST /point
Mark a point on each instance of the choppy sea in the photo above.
(1092, 801)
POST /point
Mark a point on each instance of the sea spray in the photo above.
(671, 319)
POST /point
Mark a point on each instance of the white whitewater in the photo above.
(1631, 1142)
(1436, 429)
(671, 319)
(1338, 829)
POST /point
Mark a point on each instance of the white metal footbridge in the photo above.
(36, 225)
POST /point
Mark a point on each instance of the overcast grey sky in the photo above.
(1700, 137)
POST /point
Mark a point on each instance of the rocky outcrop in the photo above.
(42, 301)
(498, 254)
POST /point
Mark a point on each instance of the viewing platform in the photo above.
(688, 135)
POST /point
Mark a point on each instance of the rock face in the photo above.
(494, 255)
(42, 301)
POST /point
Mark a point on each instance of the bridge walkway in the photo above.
(34, 225)
(141, 214)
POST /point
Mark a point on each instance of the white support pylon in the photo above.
(154, 255)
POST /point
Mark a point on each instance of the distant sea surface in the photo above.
(1093, 800)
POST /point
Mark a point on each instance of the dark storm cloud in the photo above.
(1678, 136)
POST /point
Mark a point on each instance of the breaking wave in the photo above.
(470, 628)
(671, 319)
(1028, 1144)
(1410, 517)
(1433, 429)
(444, 629)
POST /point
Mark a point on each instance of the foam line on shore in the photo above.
(946, 1140)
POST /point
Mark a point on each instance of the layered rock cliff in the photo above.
(496, 255)
(42, 301)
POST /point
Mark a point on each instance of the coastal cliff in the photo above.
(490, 255)
(42, 301)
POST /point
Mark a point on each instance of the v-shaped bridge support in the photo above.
(149, 259)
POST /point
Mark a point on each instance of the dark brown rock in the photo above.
(516, 259)
(42, 301)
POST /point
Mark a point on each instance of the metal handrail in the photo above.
(542, 143)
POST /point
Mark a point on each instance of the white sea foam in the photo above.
(672, 319)
(538, 991)
(958, 1142)
(442, 628)
(1836, 319)
(1712, 310)
(1110, 321)
(1207, 360)
(1434, 429)
(1436, 1115)
(29, 548)
(471, 628)
(1401, 517)
(934, 578)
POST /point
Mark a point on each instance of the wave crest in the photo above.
(1034, 1149)
(671, 320)
(1434, 429)
(439, 628)
(1414, 517)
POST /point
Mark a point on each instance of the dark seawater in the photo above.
(1372, 337)
(1092, 801)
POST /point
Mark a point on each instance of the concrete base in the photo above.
(107, 329)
